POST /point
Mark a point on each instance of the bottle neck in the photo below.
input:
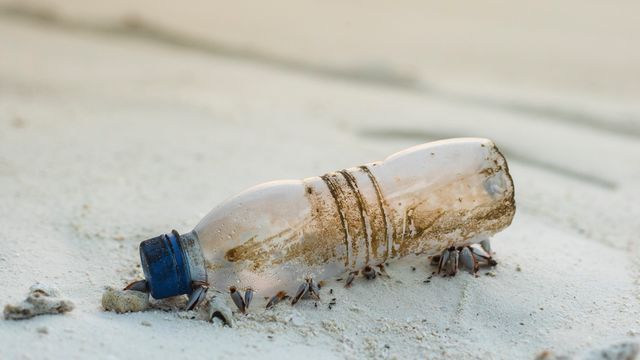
(194, 257)
(171, 263)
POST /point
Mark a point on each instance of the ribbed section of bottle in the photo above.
(350, 207)
(368, 214)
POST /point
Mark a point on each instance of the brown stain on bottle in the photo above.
(362, 211)
(383, 207)
(325, 234)
(339, 213)
(337, 196)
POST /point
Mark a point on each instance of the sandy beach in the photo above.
(111, 134)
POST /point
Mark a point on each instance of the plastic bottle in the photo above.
(272, 236)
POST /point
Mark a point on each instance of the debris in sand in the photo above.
(620, 351)
(42, 299)
(548, 355)
(122, 301)
(332, 327)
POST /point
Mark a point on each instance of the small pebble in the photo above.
(122, 301)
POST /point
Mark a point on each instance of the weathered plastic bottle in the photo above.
(270, 237)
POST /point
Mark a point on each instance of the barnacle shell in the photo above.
(217, 308)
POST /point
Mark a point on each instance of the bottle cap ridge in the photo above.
(165, 266)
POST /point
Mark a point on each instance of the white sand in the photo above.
(106, 141)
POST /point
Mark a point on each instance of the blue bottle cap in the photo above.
(165, 266)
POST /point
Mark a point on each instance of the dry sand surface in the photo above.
(108, 137)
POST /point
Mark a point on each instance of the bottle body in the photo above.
(418, 201)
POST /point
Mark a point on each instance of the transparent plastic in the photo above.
(418, 201)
